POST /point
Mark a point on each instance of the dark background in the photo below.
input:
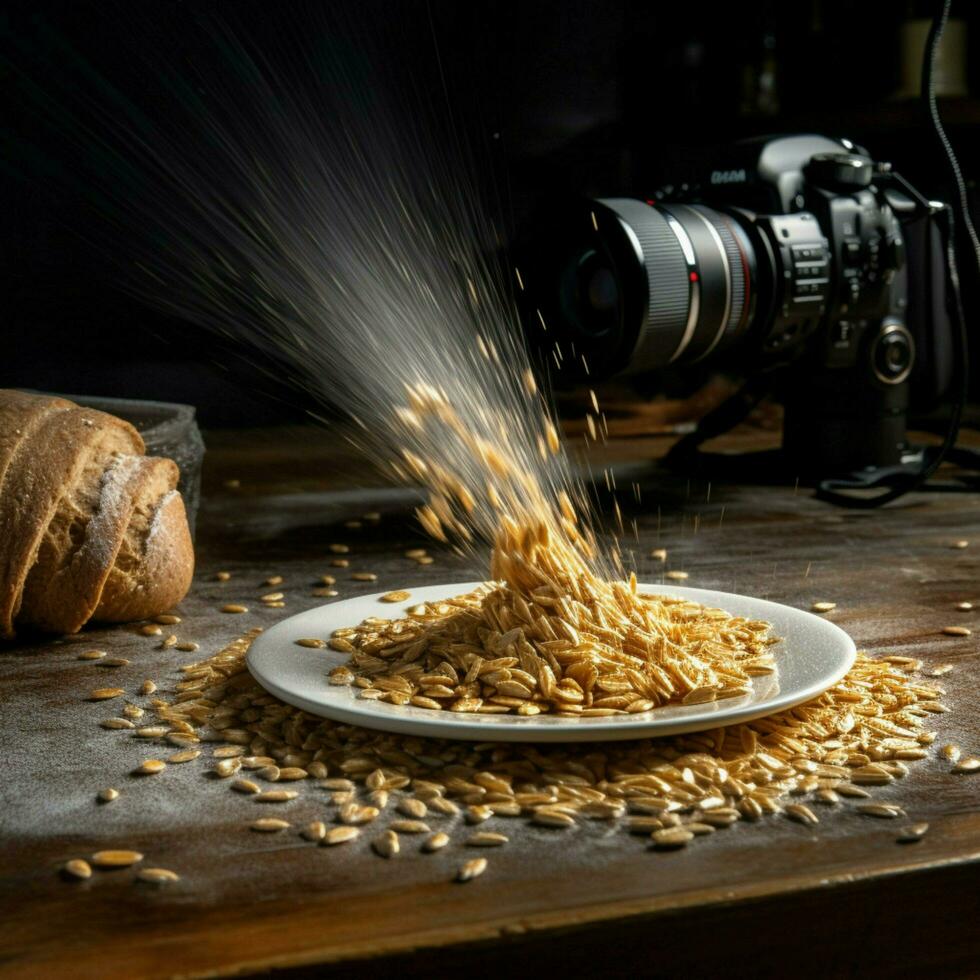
(593, 97)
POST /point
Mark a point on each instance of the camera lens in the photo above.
(893, 353)
(589, 294)
(622, 285)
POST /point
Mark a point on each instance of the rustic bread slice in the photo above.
(80, 545)
(155, 564)
(46, 463)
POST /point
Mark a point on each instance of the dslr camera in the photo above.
(809, 267)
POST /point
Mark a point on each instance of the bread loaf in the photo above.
(89, 526)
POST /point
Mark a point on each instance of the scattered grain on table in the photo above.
(150, 767)
(106, 693)
(78, 869)
(911, 834)
(157, 876)
(115, 858)
(269, 825)
(471, 869)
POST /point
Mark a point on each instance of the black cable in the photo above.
(929, 95)
(934, 456)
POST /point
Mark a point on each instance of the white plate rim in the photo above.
(427, 723)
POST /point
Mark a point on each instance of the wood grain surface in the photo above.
(766, 899)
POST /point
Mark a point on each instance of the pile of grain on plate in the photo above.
(557, 630)
(830, 752)
(552, 636)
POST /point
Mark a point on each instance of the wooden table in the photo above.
(756, 900)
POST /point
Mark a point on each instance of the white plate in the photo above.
(814, 654)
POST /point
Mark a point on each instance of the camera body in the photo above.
(837, 298)
(791, 251)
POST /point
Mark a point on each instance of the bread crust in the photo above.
(19, 414)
